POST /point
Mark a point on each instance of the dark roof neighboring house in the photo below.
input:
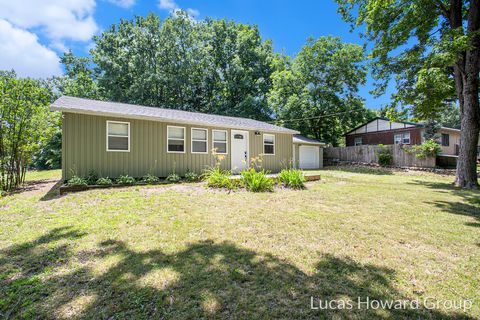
(124, 110)
(406, 123)
(297, 138)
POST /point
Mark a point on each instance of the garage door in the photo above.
(309, 157)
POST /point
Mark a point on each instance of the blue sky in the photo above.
(33, 33)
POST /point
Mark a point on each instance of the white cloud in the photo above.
(123, 3)
(21, 51)
(172, 7)
(59, 19)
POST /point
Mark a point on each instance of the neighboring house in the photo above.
(384, 131)
(113, 139)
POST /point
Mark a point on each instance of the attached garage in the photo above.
(307, 153)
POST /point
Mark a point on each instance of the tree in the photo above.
(23, 110)
(213, 66)
(450, 116)
(431, 46)
(317, 92)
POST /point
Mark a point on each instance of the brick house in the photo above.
(384, 131)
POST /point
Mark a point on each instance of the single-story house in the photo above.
(114, 139)
(384, 131)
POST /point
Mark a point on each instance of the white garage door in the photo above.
(309, 157)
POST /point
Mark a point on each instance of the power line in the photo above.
(316, 117)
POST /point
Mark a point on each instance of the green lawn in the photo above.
(182, 251)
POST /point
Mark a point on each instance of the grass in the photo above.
(183, 251)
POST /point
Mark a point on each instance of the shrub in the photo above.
(191, 176)
(385, 157)
(77, 181)
(150, 179)
(292, 178)
(104, 182)
(218, 178)
(429, 148)
(257, 181)
(92, 177)
(173, 178)
(126, 179)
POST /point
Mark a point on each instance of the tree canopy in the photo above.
(317, 92)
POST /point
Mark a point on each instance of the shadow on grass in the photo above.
(469, 205)
(206, 280)
(362, 169)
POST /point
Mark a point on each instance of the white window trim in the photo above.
(226, 140)
(128, 136)
(192, 140)
(184, 136)
(274, 142)
(409, 138)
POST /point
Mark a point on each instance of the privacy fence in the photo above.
(369, 154)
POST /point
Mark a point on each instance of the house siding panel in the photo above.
(84, 149)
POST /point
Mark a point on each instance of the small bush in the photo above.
(92, 177)
(218, 178)
(150, 179)
(173, 178)
(256, 181)
(77, 181)
(429, 148)
(126, 179)
(385, 157)
(104, 182)
(192, 176)
(292, 178)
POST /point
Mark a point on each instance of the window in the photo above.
(269, 144)
(175, 139)
(402, 138)
(358, 141)
(406, 138)
(220, 143)
(397, 139)
(118, 136)
(199, 140)
(445, 140)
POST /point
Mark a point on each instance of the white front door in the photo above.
(239, 150)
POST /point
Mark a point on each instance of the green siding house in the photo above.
(116, 138)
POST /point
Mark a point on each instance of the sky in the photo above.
(35, 33)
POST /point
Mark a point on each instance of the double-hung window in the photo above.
(269, 144)
(445, 139)
(175, 139)
(358, 141)
(118, 136)
(199, 140)
(220, 143)
(406, 138)
(398, 139)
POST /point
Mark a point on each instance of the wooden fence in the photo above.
(369, 154)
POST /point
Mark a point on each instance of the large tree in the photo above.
(427, 44)
(213, 66)
(317, 92)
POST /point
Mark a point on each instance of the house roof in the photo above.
(131, 111)
(297, 138)
(417, 124)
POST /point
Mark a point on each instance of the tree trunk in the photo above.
(466, 176)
